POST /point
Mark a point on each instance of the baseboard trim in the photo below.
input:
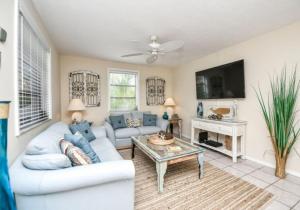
(291, 172)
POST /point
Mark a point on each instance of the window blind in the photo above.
(123, 91)
(33, 77)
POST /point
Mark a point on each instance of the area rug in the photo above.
(184, 190)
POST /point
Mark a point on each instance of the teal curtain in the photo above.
(7, 201)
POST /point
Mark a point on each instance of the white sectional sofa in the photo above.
(106, 185)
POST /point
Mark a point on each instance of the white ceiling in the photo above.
(108, 29)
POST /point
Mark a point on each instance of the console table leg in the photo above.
(201, 165)
(161, 169)
(243, 144)
(234, 148)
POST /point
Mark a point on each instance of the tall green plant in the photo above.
(279, 113)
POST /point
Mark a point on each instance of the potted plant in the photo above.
(279, 113)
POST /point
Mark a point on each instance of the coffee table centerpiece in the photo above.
(164, 155)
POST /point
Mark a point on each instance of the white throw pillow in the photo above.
(46, 161)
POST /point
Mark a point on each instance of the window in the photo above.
(123, 90)
(33, 77)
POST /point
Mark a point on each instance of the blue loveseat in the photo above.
(121, 137)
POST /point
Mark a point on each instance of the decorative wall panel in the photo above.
(155, 88)
(86, 86)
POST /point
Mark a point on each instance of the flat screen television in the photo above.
(226, 81)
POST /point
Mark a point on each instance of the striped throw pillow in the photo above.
(133, 123)
(75, 154)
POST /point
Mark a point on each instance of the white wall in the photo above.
(97, 114)
(264, 56)
(8, 21)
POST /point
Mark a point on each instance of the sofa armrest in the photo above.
(110, 133)
(99, 131)
(33, 182)
(162, 123)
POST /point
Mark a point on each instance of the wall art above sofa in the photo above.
(155, 91)
(86, 86)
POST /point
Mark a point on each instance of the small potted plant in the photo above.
(279, 113)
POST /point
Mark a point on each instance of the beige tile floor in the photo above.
(286, 192)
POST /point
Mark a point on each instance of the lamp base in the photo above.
(76, 117)
(170, 112)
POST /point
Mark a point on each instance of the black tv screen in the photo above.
(226, 81)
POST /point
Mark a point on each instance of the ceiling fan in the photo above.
(155, 49)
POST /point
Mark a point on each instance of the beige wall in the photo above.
(97, 114)
(264, 56)
(8, 21)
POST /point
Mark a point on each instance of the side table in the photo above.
(178, 122)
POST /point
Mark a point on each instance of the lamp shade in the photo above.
(76, 105)
(169, 102)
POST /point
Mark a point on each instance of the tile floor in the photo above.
(286, 192)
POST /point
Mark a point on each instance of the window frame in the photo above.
(137, 87)
(23, 13)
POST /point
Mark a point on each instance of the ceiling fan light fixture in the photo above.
(154, 45)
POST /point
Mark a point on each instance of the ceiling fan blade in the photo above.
(133, 54)
(152, 59)
(171, 45)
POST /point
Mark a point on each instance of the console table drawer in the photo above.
(225, 130)
(214, 128)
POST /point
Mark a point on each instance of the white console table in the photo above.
(231, 128)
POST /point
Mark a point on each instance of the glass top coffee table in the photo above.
(163, 156)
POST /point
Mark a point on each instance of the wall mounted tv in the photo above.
(226, 81)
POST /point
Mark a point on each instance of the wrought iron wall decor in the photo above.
(86, 86)
(155, 88)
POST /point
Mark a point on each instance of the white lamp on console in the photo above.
(170, 103)
(76, 106)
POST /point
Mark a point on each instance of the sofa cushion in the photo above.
(79, 141)
(137, 115)
(99, 131)
(145, 130)
(84, 128)
(117, 121)
(46, 142)
(149, 119)
(46, 162)
(75, 154)
(105, 150)
(59, 127)
(126, 132)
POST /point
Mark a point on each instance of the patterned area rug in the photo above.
(184, 190)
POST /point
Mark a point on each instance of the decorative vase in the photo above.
(200, 110)
(165, 116)
(6, 196)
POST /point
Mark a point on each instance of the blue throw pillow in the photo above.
(149, 119)
(117, 121)
(84, 145)
(84, 128)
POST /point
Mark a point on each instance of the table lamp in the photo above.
(170, 103)
(77, 107)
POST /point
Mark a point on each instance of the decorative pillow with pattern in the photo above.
(84, 128)
(75, 154)
(133, 123)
